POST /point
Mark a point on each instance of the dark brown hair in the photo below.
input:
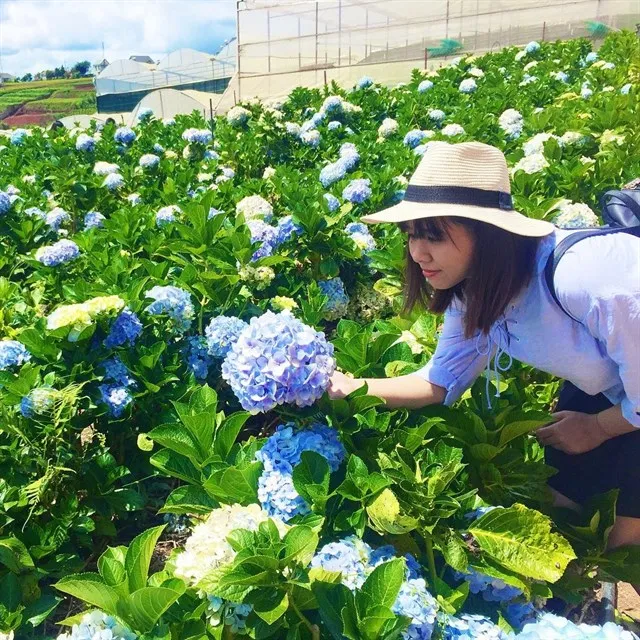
(501, 266)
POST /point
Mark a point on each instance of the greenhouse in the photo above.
(348, 349)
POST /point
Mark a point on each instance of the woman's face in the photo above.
(444, 260)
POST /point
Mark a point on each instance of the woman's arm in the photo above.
(408, 392)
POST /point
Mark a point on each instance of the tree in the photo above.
(27, 77)
(81, 68)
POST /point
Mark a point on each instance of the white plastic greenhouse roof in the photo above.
(168, 103)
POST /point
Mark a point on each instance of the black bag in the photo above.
(621, 213)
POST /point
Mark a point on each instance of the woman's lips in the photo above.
(430, 274)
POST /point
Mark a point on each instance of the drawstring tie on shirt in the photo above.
(499, 337)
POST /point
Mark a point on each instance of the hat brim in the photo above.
(506, 219)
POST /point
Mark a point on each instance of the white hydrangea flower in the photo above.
(535, 144)
(255, 207)
(476, 72)
(388, 128)
(237, 116)
(587, 160)
(453, 130)
(575, 215)
(511, 122)
(261, 277)
(530, 65)
(170, 154)
(268, 172)
(531, 164)
(105, 168)
(610, 137)
(28, 180)
(205, 177)
(571, 137)
(520, 55)
(207, 547)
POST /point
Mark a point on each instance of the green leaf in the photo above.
(178, 439)
(270, 605)
(521, 540)
(144, 442)
(111, 567)
(372, 626)
(300, 545)
(311, 478)
(175, 465)
(144, 607)
(189, 499)
(10, 592)
(235, 484)
(14, 555)
(332, 600)
(37, 612)
(384, 513)
(225, 437)
(138, 557)
(89, 587)
(381, 588)
(520, 427)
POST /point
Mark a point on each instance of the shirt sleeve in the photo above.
(598, 283)
(457, 361)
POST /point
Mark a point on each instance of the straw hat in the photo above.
(469, 180)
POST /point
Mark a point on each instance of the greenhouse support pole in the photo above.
(316, 34)
(544, 28)
(426, 56)
(339, 31)
(239, 83)
(268, 41)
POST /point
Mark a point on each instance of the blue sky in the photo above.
(42, 34)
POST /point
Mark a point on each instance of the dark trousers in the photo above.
(615, 464)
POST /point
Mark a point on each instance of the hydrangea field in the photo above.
(175, 298)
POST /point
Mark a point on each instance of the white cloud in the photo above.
(37, 35)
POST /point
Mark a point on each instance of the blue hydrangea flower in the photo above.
(561, 76)
(552, 627)
(158, 148)
(415, 602)
(276, 360)
(349, 156)
(265, 234)
(625, 89)
(532, 47)
(334, 125)
(116, 397)
(98, 626)
(197, 357)
(414, 137)
(332, 202)
(437, 115)
(214, 212)
(93, 220)
(424, 86)
(357, 191)
(18, 136)
(116, 371)
(39, 401)
(113, 181)
(388, 552)
(199, 136)
(173, 301)
(56, 218)
(349, 556)
(283, 449)
(12, 354)
(144, 114)
(126, 329)
(210, 154)
(124, 135)
(492, 589)
(293, 129)
(364, 82)
(356, 227)
(286, 229)
(5, 203)
(279, 497)
(472, 627)
(149, 161)
(222, 332)
(58, 253)
(468, 85)
(586, 91)
(592, 56)
(517, 614)
(332, 172)
(332, 104)
(85, 143)
(336, 305)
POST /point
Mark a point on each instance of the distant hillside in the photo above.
(40, 103)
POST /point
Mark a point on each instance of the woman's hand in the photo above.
(573, 433)
(341, 385)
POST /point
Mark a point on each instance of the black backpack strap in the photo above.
(565, 244)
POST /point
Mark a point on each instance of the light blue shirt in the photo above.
(598, 283)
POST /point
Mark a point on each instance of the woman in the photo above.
(471, 256)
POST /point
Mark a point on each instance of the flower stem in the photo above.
(431, 559)
(313, 628)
